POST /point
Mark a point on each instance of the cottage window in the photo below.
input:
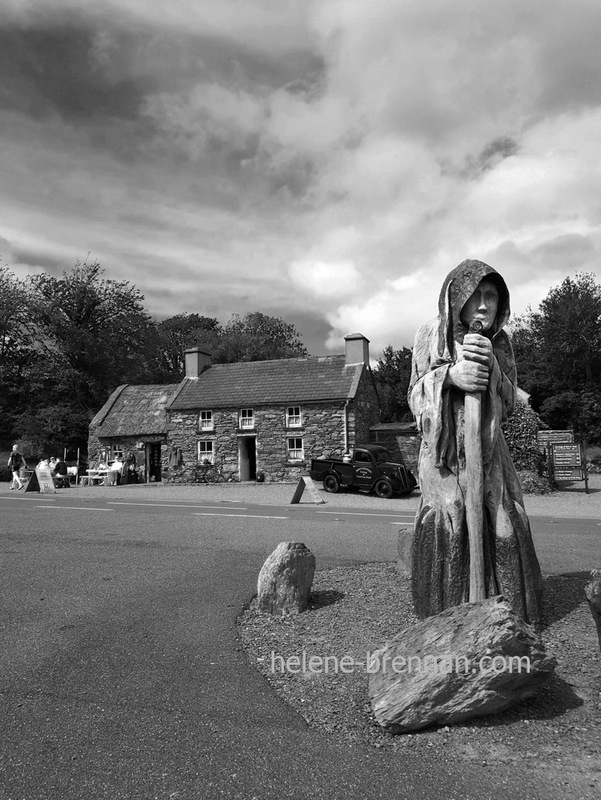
(116, 452)
(205, 452)
(295, 449)
(293, 417)
(206, 420)
(247, 418)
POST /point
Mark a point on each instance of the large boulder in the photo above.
(468, 661)
(285, 579)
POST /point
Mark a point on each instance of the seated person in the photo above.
(59, 474)
(115, 471)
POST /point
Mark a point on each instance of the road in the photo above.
(121, 675)
(563, 545)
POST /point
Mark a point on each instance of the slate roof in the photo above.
(289, 380)
(134, 411)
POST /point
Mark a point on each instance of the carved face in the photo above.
(482, 305)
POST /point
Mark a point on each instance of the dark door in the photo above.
(153, 461)
(364, 470)
(247, 458)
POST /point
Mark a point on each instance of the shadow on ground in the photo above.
(562, 594)
(324, 597)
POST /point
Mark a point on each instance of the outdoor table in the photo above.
(94, 475)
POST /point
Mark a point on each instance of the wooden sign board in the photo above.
(41, 481)
(567, 460)
(306, 482)
(548, 438)
(568, 463)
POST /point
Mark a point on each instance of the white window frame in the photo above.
(117, 452)
(293, 419)
(246, 419)
(205, 423)
(206, 454)
(295, 453)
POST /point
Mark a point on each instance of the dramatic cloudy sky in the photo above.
(327, 161)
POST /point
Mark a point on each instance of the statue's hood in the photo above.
(457, 288)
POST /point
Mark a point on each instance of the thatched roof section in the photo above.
(134, 411)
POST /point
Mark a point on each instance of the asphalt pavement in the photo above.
(121, 673)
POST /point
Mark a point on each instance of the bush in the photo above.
(532, 483)
(520, 432)
(593, 458)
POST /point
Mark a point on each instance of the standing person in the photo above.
(130, 474)
(16, 462)
(449, 362)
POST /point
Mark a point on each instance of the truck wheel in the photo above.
(331, 483)
(383, 489)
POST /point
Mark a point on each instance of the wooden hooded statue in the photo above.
(447, 363)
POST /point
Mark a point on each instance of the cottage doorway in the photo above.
(153, 461)
(247, 458)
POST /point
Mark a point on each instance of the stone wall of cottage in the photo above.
(402, 446)
(95, 444)
(366, 408)
(321, 430)
(98, 444)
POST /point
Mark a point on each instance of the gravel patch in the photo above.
(356, 609)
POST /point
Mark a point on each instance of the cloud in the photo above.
(237, 156)
(326, 281)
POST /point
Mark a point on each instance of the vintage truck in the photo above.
(367, 468)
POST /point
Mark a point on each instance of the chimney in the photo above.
(196, 361)
(356, 349)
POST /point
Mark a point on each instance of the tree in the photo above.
(257, 337)
(67, 342)
(392, 375)
(91, 335)
(17, 350)
(558, 353)
(178, 333)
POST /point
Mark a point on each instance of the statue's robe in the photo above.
(440, 550)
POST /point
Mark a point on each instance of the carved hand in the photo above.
(471, 373)
(478, 348)
(469, 376)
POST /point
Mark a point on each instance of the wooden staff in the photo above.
(474, 501)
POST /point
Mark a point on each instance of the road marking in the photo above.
(166, 505)
(20, 496)
(242, 516)
(363, 514)
(78, 508)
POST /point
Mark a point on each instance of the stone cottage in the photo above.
(134, 418)
(254, 419)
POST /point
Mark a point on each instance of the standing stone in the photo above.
(468, 661)
(593, 595)
(404, 544)
(285, 579)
